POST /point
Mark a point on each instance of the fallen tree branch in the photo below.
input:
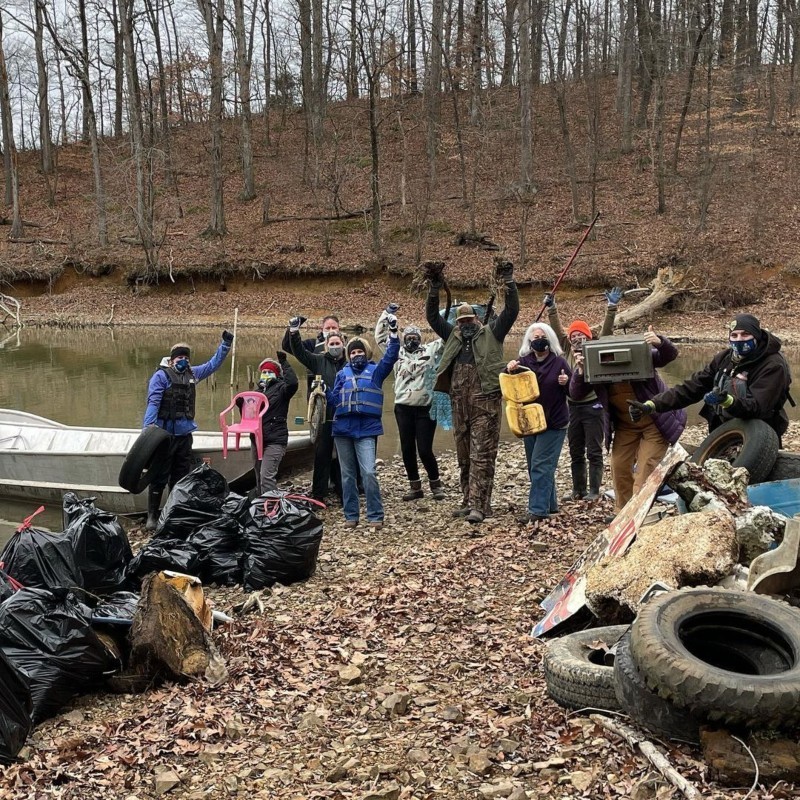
(333, 218)
(35, 240)
(25, 223)
(650, 752)
(7, 303)
(667, 284)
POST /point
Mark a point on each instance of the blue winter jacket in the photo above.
(355, 395)
(159, 383)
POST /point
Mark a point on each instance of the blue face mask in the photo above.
(743, 348)
(358, 362)
(182, 364)
(540, 345)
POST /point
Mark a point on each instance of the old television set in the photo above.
(612, 359)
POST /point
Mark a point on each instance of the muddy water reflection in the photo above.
(99, 377)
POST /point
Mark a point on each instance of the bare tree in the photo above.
(43, 94)
(525, 124)
(9, 147)
(213, 14)
(244, 62)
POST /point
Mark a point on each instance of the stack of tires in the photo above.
(692, 657)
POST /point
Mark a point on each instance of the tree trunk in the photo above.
(266, 32)
(9, 147)
(352, 61)
(476, 51)
(726, 29)
(214, 18)
(413, 84)
(433, 91)
(42, 85)
(85, 85)
(507, 75)
(525, 124)
(741, 57)
(244, 58)
(644, 24)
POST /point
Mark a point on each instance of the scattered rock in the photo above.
(166, 781)
(491, 790)
(479, 762)
(397, 704)
(310, 720)
(581, 780)
(418, 756)
(391, 792)
(350, 674)
(758, 529)
(508, 745)
(451, 714)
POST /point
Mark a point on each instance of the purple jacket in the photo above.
(552, 396)
(669, 423)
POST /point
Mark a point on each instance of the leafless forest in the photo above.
(166, 136)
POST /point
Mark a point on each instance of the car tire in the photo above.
(135, 475)
(787, 467)
(575, 678)
(728, 656)
(644, 706)
(749, 443)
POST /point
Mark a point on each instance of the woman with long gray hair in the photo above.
(542, 354)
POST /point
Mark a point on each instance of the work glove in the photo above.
(504, 271)
(549, 301)
(281, 356)
(296, 322)
(227, 337)
(718, 397)
(391, 321)
(638, 410)
(614, 295)
(392, 308)
(434, 273)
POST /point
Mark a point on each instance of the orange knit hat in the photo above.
(579, 326)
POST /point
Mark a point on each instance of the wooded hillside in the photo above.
(361, 139)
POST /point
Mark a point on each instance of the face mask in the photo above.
(358, 362)
(743, 348)
(540, 345)
(469, 330)
(412, 345)
(267, 376)
(182, 364)
(336, 350)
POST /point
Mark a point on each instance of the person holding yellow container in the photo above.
(542, 354)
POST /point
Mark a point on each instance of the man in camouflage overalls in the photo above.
(469, 371)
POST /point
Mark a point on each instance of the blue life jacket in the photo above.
(358, 394)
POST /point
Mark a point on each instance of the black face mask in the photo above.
(540, 345)
(468, 331)
(411, 345)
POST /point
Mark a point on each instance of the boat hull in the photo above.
(40, 460)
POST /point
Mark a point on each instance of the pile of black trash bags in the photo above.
(67, 599)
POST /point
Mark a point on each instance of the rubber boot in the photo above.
(436, 489)
(416, 491)
(153, 502)
(595, 482)
(578, 482)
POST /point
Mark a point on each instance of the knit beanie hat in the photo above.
(749, 323)
(270, 365)
(412, 330)
(180, 349)
(357, 343)
(579, 326)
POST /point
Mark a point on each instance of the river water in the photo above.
(99, 377)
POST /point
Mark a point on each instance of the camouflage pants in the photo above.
(476, 429)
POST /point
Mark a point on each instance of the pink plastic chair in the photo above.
(254, 406)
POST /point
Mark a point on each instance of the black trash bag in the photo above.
(101, 546)
(40, 559)
(120, 606)
(193, 502)
(159, 554)
(48, 636)
(7, 585)
(220, 547)
(281, 540)
(15, 710)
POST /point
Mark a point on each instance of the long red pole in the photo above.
(569, 263)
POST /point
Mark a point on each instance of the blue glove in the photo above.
(392, 308)
(614, 295)
(718, 397)
(549, 300)
(227, 337)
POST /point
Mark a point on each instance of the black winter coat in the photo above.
(278, 392)
(323, 364)
(759, 386)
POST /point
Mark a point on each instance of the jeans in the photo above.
(416, 430)
(359, 455)
(542, 451)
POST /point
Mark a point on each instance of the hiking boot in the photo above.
(351, 523)
(376, 525)
(436, 489)
(415, 493)
(461, 512)
(573, 495)
(530, 519)
(474, 517)
(153, 502)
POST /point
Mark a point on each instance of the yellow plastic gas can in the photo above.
(520, 386)
(525, 419)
